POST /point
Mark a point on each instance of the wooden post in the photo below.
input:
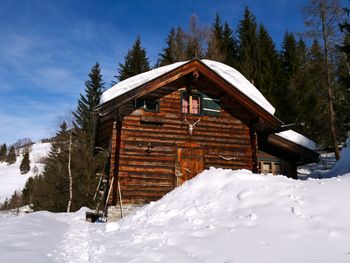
(112, 160)
(255, 151)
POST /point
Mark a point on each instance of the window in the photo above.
(191, 103)
(267, 167)
(278, 168)
(211, 105)
(200, 104)
(147, 104)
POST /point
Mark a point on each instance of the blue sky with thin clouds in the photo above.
(47, 48)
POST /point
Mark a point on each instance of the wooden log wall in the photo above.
(148, 142)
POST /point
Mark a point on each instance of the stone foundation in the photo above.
(114, 212)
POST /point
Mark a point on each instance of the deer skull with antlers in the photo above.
(191, 126)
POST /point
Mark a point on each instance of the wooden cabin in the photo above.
(164, 126)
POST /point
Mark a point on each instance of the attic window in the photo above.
(200, 103)
(147, 104)
(191, 103)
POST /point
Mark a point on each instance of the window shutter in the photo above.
(211, 105)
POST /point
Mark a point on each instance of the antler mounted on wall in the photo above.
(191, 126)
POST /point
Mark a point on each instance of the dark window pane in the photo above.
(211, 105)
(139, 103)
(151, 105)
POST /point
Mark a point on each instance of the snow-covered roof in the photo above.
(136, 81)
(230, 74)
(297, 138)
(235, 78)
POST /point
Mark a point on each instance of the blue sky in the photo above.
(47, 48)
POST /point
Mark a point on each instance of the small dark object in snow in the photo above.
(94, 217)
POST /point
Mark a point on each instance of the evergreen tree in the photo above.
(11, 157)
(84, 115)
(135, 62)
(3, 153)
(321, 18)
(316, 119)
(50, 190)
(285, 93)
(248, 46)
(176, 48)
(215, 43)
(345, 71)
(229, 46)
(222, 45)
(25, 164)
(268, 66)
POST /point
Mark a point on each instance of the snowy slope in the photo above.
(11, 178)
(219, 216)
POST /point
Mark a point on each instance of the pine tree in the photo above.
(3, 153)
(222, 45)
(248, 46)
(285, 93)
(229, 46)
(215, 43)
(11, 157)
(322, 19)
(176, 48)
(135, 62)
(315, 93)
(345, 72)
(25, 164)
(268, 68)
(51, 189)
(84, 115)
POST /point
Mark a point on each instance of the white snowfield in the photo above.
(218, 216)
(298, 138)
(230, 74)
(11, 178)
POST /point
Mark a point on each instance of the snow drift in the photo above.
(218, 216)
(342, 166)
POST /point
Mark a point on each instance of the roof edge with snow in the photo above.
(229, 74)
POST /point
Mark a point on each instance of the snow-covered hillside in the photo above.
(11, 178)
(219, 216)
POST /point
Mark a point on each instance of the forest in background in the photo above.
(306, 80)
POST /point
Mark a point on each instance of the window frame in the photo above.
(202, 111)
(144, 103)
(197, 94)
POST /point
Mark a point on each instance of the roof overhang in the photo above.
(302, 154)
(266, 121)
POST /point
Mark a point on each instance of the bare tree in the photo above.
(322, 17)
(70, 172)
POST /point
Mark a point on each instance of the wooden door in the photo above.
(189, 162)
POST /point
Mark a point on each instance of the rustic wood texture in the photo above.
(152, 142)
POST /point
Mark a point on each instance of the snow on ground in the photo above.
(11, 178)
(218, 216)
